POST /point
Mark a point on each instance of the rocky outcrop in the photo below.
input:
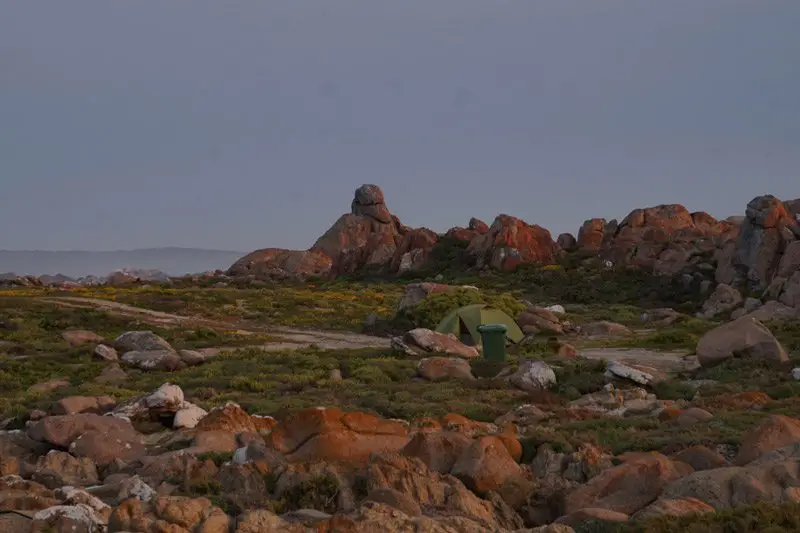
(766, 233)
(413, 250)
(356, 242)
(511, 242)
(666, 238)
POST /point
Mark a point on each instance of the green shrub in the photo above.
(370, 375)
(318, 493)
(579, 377)
(673, 390)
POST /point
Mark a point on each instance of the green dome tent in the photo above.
(464, 322)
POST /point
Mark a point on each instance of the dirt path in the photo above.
(659, 364)
(285, 338)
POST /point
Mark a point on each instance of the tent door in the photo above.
(463, 333)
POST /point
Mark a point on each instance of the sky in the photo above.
(247, 124)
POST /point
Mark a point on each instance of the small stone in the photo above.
(112, 374)
(142, 341)
(106, 353)
(615, 369)
(533, 376)
(192, 357)
(48, 386)
(188, 416)
(80, 337)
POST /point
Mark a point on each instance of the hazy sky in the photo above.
(246, 124)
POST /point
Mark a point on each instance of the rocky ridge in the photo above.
(667, 239)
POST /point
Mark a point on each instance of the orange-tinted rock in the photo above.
(298, 427)
(669, 413)
(590, 236)
(329, 435)
(663, 237)
(775, 432)
(413, 249)
(629, 487)
(563, 349)
(357, 242)
(234, 419)
(439, 450)
(485, 465)
(369, 423)
(513, 446)
(461, 234)
(511, 242)
(279, 263)
(346, 445)
(462, 424)
(701, 458)
(424, 341)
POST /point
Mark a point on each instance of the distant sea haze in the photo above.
(173, 261)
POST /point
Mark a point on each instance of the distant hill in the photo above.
(173, 261)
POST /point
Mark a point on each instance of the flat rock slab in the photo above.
(285, 338)
(662, 365)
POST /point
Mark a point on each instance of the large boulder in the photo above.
(539, 320)
(724, 299)
(485, 465)
(366, 238)
(591, 234)
(743, 337)
(321, 434)
(424, 340)
(511, 242)
(140, 341)
(439, 450)
(102, 439)
(369, 202)
(413, 250)
(566, 241)
(533, 376)
(775, 432)
(439, 368)
(629, 487)
(761, 242)
(277, 263)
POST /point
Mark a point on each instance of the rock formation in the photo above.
(759, 250)
(665, 238)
